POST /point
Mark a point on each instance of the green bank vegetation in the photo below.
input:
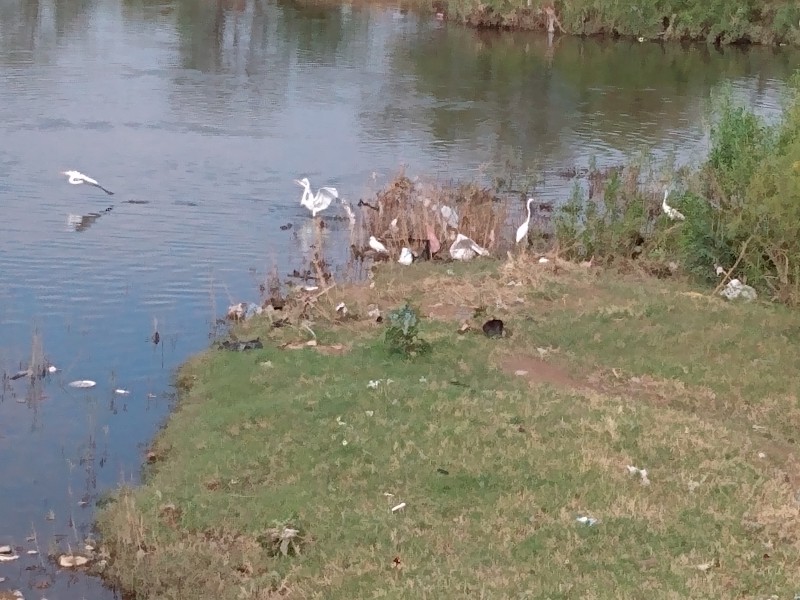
(496, 446)
(277, 474)
(717, 21)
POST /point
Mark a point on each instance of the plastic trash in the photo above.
(738, 290)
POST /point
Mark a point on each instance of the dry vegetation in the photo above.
(415, 214)
(495, 445)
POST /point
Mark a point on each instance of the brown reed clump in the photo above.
(419, 215)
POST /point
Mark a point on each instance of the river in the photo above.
(198, 114)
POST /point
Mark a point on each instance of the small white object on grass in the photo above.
(344, 442)
(82, 384)
(641, 472)
(374, 383)
(672, 213)
(406, 257)
(377, 246)
(77, 178)
(370, 412)
(719, 270)
(587, 521)
(400, 506)
(341, 308)
(544, 260)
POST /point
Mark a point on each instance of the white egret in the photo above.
(77, 178)
(406, 257)
(672, 213)
(522, 230)
(319, 202)
(377, 246)
(464, 248)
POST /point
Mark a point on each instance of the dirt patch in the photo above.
(538, 371)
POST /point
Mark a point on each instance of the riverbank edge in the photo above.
(168, 512)
(482, 16)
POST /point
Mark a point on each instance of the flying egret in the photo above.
(522, 230)
(377, 246)
(77, 178)
(319, 202)
(672, 213)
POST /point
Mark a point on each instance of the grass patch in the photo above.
(493, 457)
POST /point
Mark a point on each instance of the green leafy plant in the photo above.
(402, 334)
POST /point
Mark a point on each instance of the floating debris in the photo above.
(82, 384)
(21, 374)
(71, 561)
(121, 392)
(7, 554)
(52, 369)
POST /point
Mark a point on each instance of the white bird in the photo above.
(522, 230)
(351, 216)
(77, 178)
(672, 213)
(406, 257)
(465, 248)
(319, 202)
(377, 246)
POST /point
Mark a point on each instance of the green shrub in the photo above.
(402, 334)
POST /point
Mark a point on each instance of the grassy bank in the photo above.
(720, 21)
(495, 445)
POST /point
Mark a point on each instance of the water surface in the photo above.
(202, 113)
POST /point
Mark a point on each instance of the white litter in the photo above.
(341, 308)
(374, 384)
(406, 257)
(736, 289)
(464, 248)
(52, 369)
(544, 260)
(400, 506)
(641, 472)
(121, 392)
(587, 521)
(83, 384)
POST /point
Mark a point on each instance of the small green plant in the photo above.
(402, 335)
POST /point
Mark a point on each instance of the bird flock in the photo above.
(463, 248)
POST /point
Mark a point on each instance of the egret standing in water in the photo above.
(672, 213)
(319, 202)
(522, 230)
(77, 178)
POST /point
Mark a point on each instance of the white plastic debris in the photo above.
(719, 270)
(69, 561)
(450, 216)
(374, 384)
(400, 506)
(406, 257)
(341, 308)
(344, 442)
(339, 421)
(122, 392)
(520, 372)
(589, 521)
(52, 369)
(642, 473)
(544, 260)
(369, 412)
(736, 289)
(762, 455)
(464, 248)
(82, 384)
(423, 380)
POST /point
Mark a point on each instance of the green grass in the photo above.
(634, 371)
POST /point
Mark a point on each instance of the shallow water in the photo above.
(206, 111)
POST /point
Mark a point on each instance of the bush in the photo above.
(402, 334)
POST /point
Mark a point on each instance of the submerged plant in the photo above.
(402, 335)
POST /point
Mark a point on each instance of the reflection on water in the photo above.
(199, 114)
